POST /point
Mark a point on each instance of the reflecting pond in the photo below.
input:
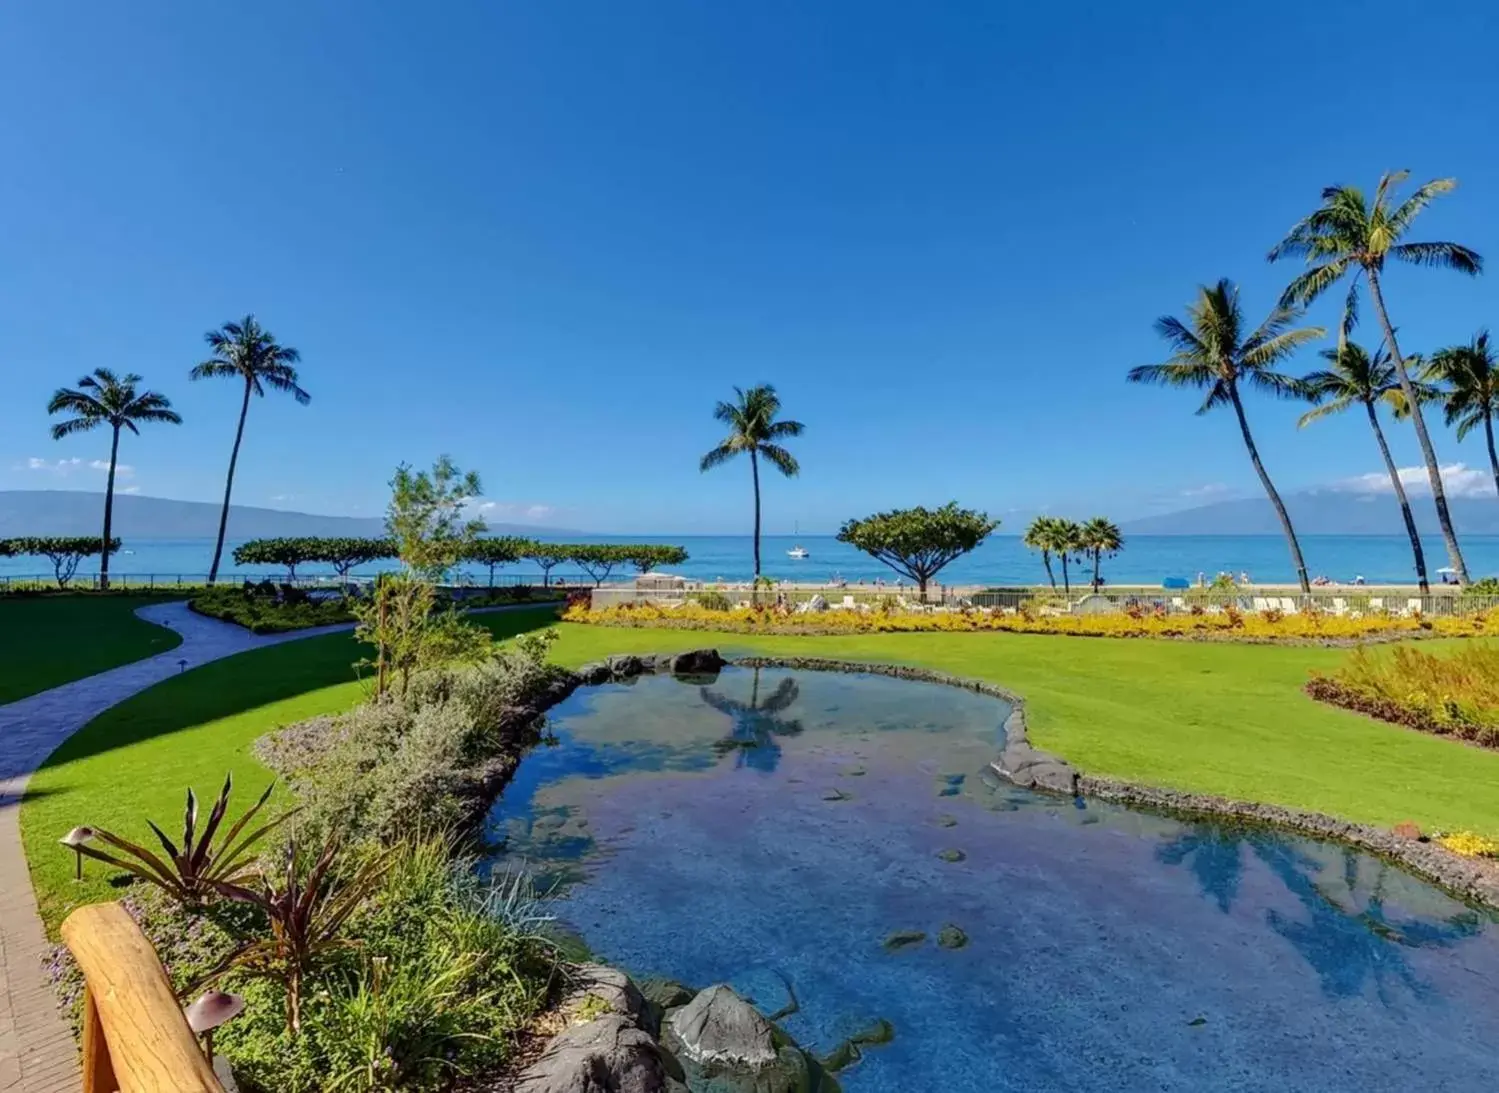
(792, 833)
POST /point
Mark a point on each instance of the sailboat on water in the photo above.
(798, 552)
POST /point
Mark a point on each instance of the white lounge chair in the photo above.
(1339, 606)
(1261, 604)
(1376, 603)
(1288, 605)
(1179, 603)
(849, 603)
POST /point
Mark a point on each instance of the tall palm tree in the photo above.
(1211, 353)
(1355, 378)
(756, 723)
(106, 399)
(1347, 235)
(248, 352)
(1066, 544)
(1470, 374)
(1099, 537)
(753, 428)
(1041, 536)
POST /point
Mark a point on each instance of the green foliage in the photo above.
(342, 553)
(1456, 692)
(754, 430)
(411, 629)
(65, 552)
(647, 557)
(1469, 375)
(713, 600)
(546, 557)
(1098, 538)
(919, 542)
(193, 870)
(495, 551)
(598, 560)
(264, 609)
(426, 517)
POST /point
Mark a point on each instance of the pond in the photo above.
(792, 833)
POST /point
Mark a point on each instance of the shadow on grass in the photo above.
(243, 682)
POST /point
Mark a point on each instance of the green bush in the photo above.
(714, 601)
(266, 609)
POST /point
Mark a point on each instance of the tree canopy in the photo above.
(919, 542)
(65, 552)
(428, 516)
(342, 553)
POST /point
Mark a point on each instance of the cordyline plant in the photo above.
(191, 871)
(306, 915)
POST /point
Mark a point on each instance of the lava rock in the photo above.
(625, 666)
(610, 1054)
(952, 855)
(666, 993)
(718, 1026)
(903, 939)
(951, 937)
(697, 662)
(594, 673)
(613, 989)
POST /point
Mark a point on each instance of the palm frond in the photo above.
(1327, 409)
(780, 459)
(1399, 220)
(717, 457)
(1442, 255)
(75, 425)
(1258, 355)
(1307, 286)
(779, 429)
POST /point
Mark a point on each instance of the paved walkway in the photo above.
(37, 1051)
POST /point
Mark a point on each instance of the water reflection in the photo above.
(756, 724)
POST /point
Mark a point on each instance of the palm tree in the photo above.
(1041, 535)
(1349, 235)
(1471, 396)
(753, 428)
(756, 723)
(1355, 378)
(1099, 537)
(1210, 352)
(106, 399)
(246, 351)
(1067, 544)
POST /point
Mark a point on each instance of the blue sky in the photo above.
(545, 238)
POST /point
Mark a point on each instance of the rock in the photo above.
(661, 662)
(947, 821)
(625, 666)
(594, 673)
(718, 1026)
(697, 662)
(835, 794)
(607, 1055)
(953, 855)
(850, 1051)
(903, 939)
(1025, 766)
(1407, 829)
(600, 989)
(951, 937)
(666, 993)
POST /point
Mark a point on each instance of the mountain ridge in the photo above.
(1320, 512)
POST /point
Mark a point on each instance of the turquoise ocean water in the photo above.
(1001, 560)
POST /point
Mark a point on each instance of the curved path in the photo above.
(37, 1051)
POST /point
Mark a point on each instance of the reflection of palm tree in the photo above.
(756, 723)
(1216, 860)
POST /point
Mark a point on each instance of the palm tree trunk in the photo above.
(1405, 505)
(755, 471)
(1046, 561)
(1066, 582)
(1428, 453)
(1274, 495)
(239, 434)
(1488, 432)
(1097, 557)
(109, 504)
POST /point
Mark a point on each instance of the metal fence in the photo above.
(28, 582)
(1344, 601)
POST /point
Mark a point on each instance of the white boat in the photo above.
(798, 552)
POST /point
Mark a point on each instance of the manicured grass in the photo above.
(46, 641)
(1223, 719)
(134, 762)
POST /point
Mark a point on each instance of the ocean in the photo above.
(1002, 560)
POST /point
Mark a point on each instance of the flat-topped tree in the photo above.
(104, 399)
(65, 552)
(648, 556)
(598, 560)
(291, 552)
(343, 553)
(919, 542)
(546, 557)
(495, 551)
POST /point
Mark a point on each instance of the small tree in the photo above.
(290, 552)
(426, 517)
(919, 542)
(496, 551)
(599, 559)
(648, 556)
(64, 552)
(344, 553)
(546, 557)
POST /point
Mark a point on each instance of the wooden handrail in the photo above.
(135, 1037)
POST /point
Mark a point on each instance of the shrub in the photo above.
(713, 600)
(264, 608)
(1454, 693)
(1470, 845)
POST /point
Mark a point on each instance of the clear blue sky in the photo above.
(545, 238)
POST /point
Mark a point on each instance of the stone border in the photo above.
(1021, 763)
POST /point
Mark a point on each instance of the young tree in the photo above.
(1041, 536)
(248, 352)
(64, 552)
(918, 542)
(496, 551)
(344, 553)
(753, 428)
(1350, 235)
(290, 552)
(648, 556)
(1100, 537)
(598, 559)
(104, 399)
(1354, 377)
(427, 517)
(1211, 353)
(1470, 375)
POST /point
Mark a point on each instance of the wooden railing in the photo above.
(135, 1037)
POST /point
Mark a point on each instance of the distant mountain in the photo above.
(1321, 512)
(75, 512)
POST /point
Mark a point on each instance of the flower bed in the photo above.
(1226, 625)
(1451, 695)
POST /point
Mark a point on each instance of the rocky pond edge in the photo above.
(1025, 765)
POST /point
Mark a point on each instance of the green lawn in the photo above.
(1226, 719)
(46, 641)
